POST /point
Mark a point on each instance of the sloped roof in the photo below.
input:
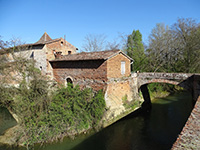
(91, 56)
(45, 37)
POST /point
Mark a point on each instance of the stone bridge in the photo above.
(170, 78)
(189, 81)
(122, 91)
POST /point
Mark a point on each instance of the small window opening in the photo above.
(69, 82)
(61, 42)
(54, 52)
(123, 69)
(40, 67)
(69, 52)
(32, 55)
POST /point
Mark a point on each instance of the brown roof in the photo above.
(91, 56)
(45, 37)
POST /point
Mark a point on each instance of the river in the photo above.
(155, 130)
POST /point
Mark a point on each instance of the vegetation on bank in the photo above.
(46, 117)
(130, 104)
(45, 112)
(158, 90)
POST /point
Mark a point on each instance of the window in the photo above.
(61, 43)
(123, 67)
(69, 52)
(32, 55)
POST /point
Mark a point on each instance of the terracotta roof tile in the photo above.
(90, 55)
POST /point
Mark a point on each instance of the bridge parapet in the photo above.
(158, 77)
(167, 76)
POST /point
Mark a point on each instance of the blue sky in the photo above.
(29, 19)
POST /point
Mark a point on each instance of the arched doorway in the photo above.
(69, 81)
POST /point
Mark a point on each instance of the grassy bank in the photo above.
(159, 90)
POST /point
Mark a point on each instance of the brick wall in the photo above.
(114, 66)
(91, 73)
(59, 46)
(116, 91)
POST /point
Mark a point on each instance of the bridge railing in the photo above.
(159, 75)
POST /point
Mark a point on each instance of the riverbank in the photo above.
(157, 129)
(10, 136)
(156, 95)
(45, 118)
(158, 90)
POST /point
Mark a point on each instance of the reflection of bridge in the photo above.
(191, 82)
(188, 81)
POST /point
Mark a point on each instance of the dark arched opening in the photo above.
(170, 88)
(69, 82)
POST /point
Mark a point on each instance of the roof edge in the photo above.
(120, 51)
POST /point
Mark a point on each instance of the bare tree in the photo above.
(112, 45)
(159, 50)
(175, 49)
(14, 61)
(94, 42)
(120, 42)
(99, 42)
(186, 33)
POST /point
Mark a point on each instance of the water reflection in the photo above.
(6, 120)
(156, 130)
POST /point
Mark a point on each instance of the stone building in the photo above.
(42, 51)
(107, 70)
(93, 69)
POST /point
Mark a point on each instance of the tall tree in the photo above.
(175, 49)
(159, 52)
(135, 50)
(186, 39)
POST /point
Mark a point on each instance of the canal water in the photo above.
(155, 130)
(6, 120)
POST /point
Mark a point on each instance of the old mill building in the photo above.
(108, 70)
(91, 69)
(59, 60)
(42, 51)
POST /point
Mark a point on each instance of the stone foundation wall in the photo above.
(118, 92)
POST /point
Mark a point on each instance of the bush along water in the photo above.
(46, 113)
(158, 90)
(48, 117)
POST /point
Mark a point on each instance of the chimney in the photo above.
(58, 55)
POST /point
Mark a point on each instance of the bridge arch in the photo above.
(145, 92)
(158, 81)
(162, 81)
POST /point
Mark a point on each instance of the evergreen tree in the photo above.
(135, 50)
